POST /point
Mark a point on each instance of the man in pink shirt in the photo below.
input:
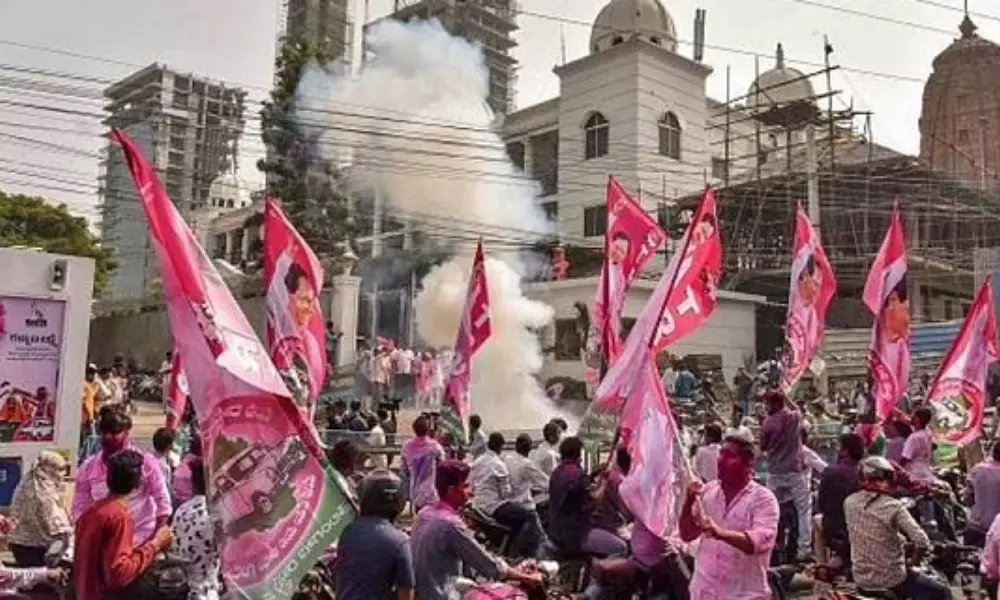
(737, 521)
(150, 505)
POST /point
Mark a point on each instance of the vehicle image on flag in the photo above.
(248, 484)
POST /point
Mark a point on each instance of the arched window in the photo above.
(596, 131)
(773, 140)
(670, 136)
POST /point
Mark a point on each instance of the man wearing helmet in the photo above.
(875, 520)
(373, 557)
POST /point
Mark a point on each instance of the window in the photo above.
(568, 342)
(596, 133)
(719, 168)
(595, 221)
(515, 151)
(773, 140)
(551, 210)
(963, 136)
(949, 309)
(670, 136)
(963, 100)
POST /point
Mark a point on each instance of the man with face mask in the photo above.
(737, 521)
(150, 505)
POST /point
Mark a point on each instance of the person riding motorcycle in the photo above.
(875, 520)
(374, 561)
(442, 543)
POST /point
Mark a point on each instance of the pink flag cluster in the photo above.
(278, 504)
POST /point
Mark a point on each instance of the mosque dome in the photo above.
(622, 20)
(780, 87)
(226, 191)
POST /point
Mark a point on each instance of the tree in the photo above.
(35, 223)
(295, 173)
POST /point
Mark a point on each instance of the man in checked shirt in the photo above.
(875, 521)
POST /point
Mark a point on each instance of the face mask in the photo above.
(732, 471)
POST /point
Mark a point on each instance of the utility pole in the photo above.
(376, 253)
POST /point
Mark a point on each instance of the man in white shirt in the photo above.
(493, 494)
(530, 485)
(918, 451)
(546, 455)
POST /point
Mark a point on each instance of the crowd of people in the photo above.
(419, 376)
(129, 506)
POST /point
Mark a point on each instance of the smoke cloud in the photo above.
(417, 128)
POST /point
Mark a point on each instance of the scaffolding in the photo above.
(853, 184)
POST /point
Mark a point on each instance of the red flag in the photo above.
(631, 239)
(653, 490)
(887, 297)
(280, 509)
(473, 331)
(296, 331)
(682, 303)
(177, 392)
(959, 393)
(810, 291)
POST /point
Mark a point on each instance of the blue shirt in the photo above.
(373, 561)
(686, 384)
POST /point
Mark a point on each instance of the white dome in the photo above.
(622, 20)
(780, 86)
(226, 191)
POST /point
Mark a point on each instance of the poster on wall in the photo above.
(31, 332)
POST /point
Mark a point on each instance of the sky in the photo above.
(885, 61)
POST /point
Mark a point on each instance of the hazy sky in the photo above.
(233, 41)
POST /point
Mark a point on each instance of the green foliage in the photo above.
(295, 173)
(35, 223)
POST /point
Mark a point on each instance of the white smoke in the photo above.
(419, 131)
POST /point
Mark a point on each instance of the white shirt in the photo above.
(919, 451)
(706, 462)
(546, 457)
(404, 361)
(491, 482)
(669, 379)
(811, 461)
(528, 483)
(376, 437)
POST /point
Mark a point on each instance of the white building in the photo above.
(224, 226)
(637, 109)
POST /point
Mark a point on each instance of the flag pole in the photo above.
(605, 292)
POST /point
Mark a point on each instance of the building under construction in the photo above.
(491, 23)
(849, 185)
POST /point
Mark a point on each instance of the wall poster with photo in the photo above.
(31, 332)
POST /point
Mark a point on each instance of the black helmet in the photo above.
(381, 495)
(876, 468)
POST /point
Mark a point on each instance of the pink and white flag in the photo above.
(177, 393)
(681, 304)
(473, 331)
(632, 238)
(888, 299)
(810, 292)
(279, 506)
(296, 330)
(653, 490)
(959, 393)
